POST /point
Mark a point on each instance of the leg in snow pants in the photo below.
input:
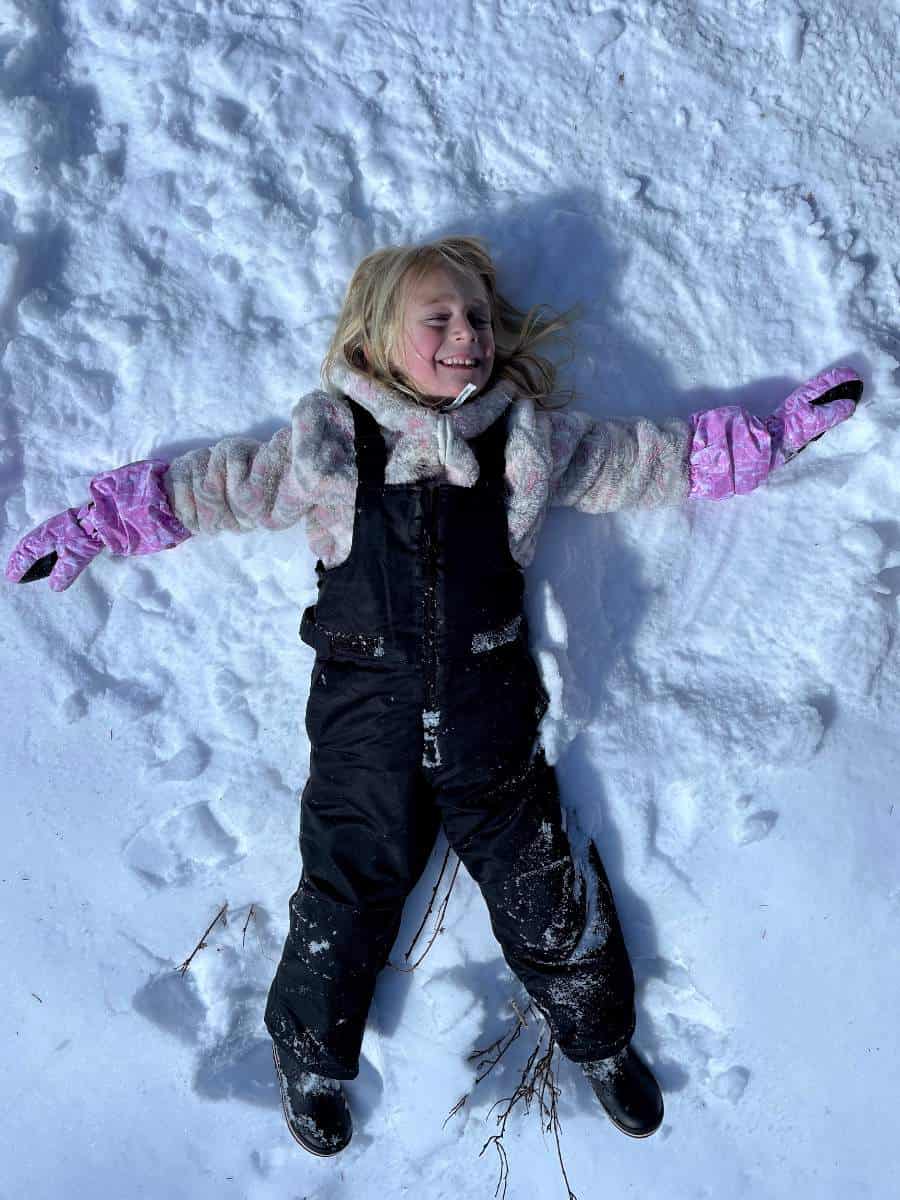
(415, 722)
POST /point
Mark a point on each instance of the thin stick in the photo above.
(251, 913)
(455, 1109)
(504, 1165)
(220, 916)
(520, 1015)
(438, 926)
(501, 1045)
(434, 892)
(537, 1083)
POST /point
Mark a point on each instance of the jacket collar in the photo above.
(428, 443)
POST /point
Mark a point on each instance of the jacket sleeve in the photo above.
(613, 464)
(607, 465)
(240, 484)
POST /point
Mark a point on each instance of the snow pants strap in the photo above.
(371, 452)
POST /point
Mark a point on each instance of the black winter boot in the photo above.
(625, 1087)
(315, 1107)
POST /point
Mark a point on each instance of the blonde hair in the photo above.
(369, 328)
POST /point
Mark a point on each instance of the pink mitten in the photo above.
(733, 452)
(128, 513)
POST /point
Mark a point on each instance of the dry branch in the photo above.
(251, 913)
(537, 1083)
(434, 892)
(483, 1059)
(201, 945)
(439, 922)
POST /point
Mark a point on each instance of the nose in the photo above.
(465, 331)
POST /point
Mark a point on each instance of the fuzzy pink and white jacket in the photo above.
(307, 471)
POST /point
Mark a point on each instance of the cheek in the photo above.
(424, 344)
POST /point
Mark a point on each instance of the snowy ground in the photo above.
(185, 189)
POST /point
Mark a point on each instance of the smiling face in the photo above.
(446, 340)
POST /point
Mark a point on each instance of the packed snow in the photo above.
(185, 189)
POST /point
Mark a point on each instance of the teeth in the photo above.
(459, 362)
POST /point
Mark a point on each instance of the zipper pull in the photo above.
(444, 434)
(461, 398)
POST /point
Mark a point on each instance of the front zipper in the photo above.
(431, 756)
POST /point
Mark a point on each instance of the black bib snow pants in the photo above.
(423, 710)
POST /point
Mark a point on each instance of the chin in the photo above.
(450, 393)
(438, 392)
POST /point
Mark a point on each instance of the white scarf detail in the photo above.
(427, 444)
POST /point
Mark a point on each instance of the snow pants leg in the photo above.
(555, 918)
(369, 816)
(367, 828)
(556, 922)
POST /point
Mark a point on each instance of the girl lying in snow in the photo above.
(424, 470)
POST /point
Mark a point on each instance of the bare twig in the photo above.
(456, 1107)
(438, 925)
(251, 913)
(518, 1013)
(496, 1139)
(434, 892)
(537, 1084)
(503, 1175)
(201, 945)
(484, 1062)
(253, 916)
(487, 1057)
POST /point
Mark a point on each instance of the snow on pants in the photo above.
(369, 815)
(423, 711)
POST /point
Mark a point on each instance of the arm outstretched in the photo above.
(305, 469)
(237, 484)
(609, 465)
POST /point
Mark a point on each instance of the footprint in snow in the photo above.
(702, 1048)
(171, 1002)
(229, 696)
(189, 762)
(888, 582)
(143, 590)
(756, 827)
(694, 1044)
(217, 1006)
(239, 1064)
(75, 706)
(177, 847)
(678, 820)
(730, 1085)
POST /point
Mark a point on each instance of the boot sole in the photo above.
(296, 1136)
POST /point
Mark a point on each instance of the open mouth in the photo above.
(460, 364)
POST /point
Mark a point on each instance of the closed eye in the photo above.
(476, 320)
